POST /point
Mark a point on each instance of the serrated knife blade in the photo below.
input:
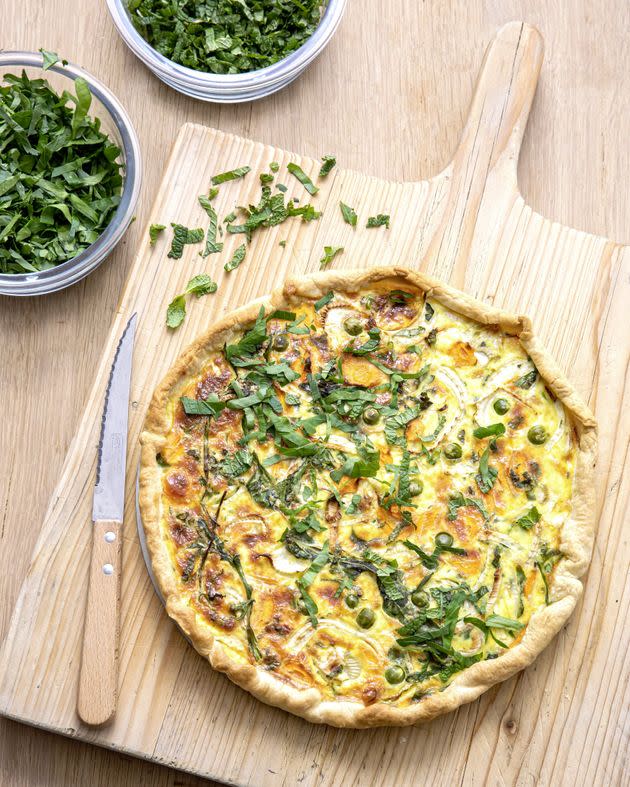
(109, 490)
(98, 677)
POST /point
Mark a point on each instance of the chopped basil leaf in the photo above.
(369, 347)
(487, 475)
(429, 438)
(60, 178)
(459, 501)
(493, 430)
(225, 36)
(529, 519)
(211, 406)
(365, 465)
(324, 300)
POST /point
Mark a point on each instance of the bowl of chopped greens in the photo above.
(227, 51)
(69, 173)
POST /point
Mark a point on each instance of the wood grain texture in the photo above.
(98, 671)
(573, 168)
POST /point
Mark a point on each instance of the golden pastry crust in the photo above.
(576, 535)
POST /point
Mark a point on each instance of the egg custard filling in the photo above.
(363, 493)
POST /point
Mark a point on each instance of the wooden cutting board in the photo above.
(470, 226)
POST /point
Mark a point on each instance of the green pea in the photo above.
(280, 342)
(415, 488)
(537, 435)
(444, 540)
(394, 674)
(366, 618)
(353, 326)
(419, 599)
(371, 415)
(501, 406)
(352, 600)
(453, 451)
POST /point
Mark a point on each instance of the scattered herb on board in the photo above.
(330, 252)
(199, 285)
(380, 220)
(268, 212)
(349, 216)
(212, 245)
(328, 162)
(154, 232)
(182, 236)
(304, 179)
(232, 174)
(60, 178)
(225, 36)
(236, 259)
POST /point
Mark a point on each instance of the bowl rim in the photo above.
(71, 271)
(230, 84)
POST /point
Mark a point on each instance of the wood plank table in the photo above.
(573, 169)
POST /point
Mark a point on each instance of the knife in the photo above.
(98, 680)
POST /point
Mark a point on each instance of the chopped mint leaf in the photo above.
(304, 179)
(330, 252)
(328, 163)
(233, 174)
(236, 259)
(349, 216)
(154, 231)
(381, 220)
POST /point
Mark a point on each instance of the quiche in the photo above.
(368, 497)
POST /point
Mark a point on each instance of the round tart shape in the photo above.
(368, 497)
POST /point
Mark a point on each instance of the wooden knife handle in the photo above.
(98, 680)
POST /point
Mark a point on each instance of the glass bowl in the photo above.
(229, 88)
(116, 124)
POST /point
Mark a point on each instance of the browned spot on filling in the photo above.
(463, 354)
(214, 584)
(213, 382)
(370, 692)
(277, 626)
(181, 533)
(226, 622)
(176, 484)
